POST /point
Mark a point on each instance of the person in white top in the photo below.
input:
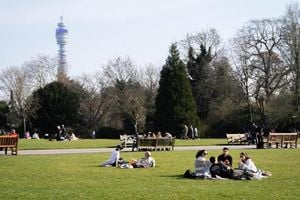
(35, 136)
(247, 165)
(168, 135)
(202, 165)
(114, 158)
(145, 162)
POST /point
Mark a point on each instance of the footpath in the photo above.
(105, 150)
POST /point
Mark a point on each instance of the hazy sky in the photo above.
(103, 29)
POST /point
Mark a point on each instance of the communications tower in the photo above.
(61, 39)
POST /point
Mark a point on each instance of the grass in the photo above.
(78, 144)
(79, 177)
(98, 143)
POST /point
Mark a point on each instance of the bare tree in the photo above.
(258, 42)
(17, 81)
(126, 92)
(96, 103)
(42, 70)
(120, 69)
(149, 78)
(209, 39)
(290, 47)
(133, 104)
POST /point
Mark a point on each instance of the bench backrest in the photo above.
(154, 142)
(283, 137)
(8, 141)
(235, 135)
(165, 141)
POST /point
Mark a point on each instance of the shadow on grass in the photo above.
(177, 176)
(234, 144)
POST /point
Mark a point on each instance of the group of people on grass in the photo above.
(63, 135)
(35, 135)
(116, 161)
(223, 167)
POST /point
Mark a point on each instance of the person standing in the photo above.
(185, 132)
(192, 132)
(196, 133)
(225, 157)
(93, 134)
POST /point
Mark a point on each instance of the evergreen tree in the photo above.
(13, 118)
(175, 104)
(200, 72)
(58, 104)
(4, 109)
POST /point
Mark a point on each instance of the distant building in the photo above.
(61, 39)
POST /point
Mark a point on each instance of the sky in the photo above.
(100, 30)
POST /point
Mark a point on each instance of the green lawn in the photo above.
(79, 177)
(98, 143)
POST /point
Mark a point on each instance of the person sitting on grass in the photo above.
(220, 169)
(114, 158)
(202, 165)
(35, 136)
(146, 162)
(249, 169)
(27, 135)
(225, 157)
(73, 137)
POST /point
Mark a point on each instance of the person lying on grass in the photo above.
(114, 158)
(146, 162)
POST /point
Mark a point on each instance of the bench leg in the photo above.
(5, 150)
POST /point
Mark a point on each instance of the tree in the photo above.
(175, 104)
(149, 80)
(132, 100)
(264, 71)
(42, 70)
(127, 94)
(96, 102)
(15, 82)
(58, 104)
(202, 48)
(4, 109)
(258, 42)
(290, 47)
(208, 39)
(200, 72)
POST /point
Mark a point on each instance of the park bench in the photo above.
(155, 143)
(237, 138)
(281, 139)
(127, 140)
(9, 141)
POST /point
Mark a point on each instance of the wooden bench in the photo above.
(127, 140)
(281, 139)
(237, 138)
(155, 143)
(8, 141)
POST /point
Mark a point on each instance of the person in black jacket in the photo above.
(225, 158)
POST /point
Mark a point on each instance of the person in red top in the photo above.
(13, 132)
